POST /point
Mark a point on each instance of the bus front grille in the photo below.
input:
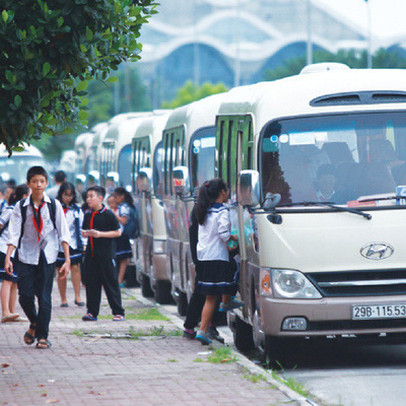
(360, 283)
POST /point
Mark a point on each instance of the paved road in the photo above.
(89, 364)
(348, 375)
(353, 375)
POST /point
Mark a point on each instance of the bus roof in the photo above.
(28, 150)
(199, 114)
(295, 95)
(153, 127)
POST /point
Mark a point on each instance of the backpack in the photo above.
(132, 227)
(52, 213)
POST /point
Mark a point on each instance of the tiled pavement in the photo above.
(104, 369)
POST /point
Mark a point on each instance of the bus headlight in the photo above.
(292, 284)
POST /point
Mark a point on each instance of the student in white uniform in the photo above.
(212, 252)
(74, 217)
(9, 286)
(37, 227)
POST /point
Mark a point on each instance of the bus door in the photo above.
(235, 148)
(174, 155)
(142, 159)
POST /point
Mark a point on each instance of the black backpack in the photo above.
(52, 213)
(132, 227)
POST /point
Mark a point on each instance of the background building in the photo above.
(233, 41)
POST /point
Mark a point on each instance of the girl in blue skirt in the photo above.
(212, 252)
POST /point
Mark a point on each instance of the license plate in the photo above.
(367, 312)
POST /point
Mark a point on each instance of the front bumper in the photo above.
(327, 316)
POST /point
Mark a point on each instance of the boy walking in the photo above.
(36, 227)
(101, 226)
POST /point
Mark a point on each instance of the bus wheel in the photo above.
(181, 303)
(163, 292)
(275, 351)
(242, 334)
(146, 286)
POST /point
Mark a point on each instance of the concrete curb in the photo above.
(242, 360)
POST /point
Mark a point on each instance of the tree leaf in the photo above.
(17, 100)
(46, 67)
(82, 85)
(112, 79)
(4, 16)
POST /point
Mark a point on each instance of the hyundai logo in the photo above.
(376, 251)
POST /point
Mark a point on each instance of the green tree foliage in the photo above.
(50, 50)
(381, 59)
(191, 92)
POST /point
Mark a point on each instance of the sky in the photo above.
(387, 16)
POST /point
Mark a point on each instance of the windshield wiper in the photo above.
(327, 204)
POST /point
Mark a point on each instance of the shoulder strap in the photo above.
(23, 218)
(52, 211)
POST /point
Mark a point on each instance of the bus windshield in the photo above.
(352, 159)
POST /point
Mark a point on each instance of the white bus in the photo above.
(116, 150)
(189, 140)
(316, 166)
(150, 248)
(16, 166)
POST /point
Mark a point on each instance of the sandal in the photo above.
(43, 344)
(28, 337)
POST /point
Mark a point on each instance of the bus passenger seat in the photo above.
(337, 152)
(377, 179)
(348, 179)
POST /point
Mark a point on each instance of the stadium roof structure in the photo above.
(218, 40)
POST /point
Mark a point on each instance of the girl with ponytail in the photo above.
(123, 246)
(212, 252)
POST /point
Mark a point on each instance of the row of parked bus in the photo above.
(316, 168)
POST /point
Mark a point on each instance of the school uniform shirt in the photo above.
(103, 220)
(214, 234)
(4, 220)
(71, 213)
(30, 249)
(123, 211)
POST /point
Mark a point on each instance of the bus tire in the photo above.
(242, 334)
(275, 351)
(163, 292)
(181, 303)
(146, 287)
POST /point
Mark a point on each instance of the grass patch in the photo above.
(254, 378)
(144, 314)
(221, 355)
(198, 360)
(173, 360)
(132, 333)
(155, 332)
(292, 384)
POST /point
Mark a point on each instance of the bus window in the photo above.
(124, 166)
(202, 156)
(158, 170)
(334, 158)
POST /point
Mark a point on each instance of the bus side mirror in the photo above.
(113, 176)
(248, 188)
(180, 180)
(144, 180)
(93, 178)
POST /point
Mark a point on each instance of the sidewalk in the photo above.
(135, 362)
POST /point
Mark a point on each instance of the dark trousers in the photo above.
(101, 272)
(196, 303)
(36, 280)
